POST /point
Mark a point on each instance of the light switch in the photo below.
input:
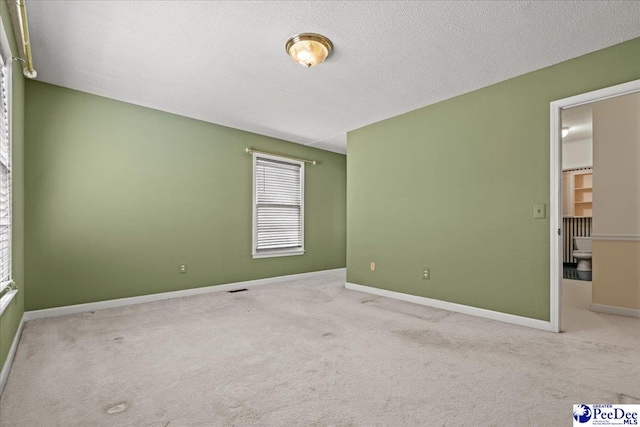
(539, 211)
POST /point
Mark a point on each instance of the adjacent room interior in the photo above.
(577, 186)
(600, 172)
(317, 213)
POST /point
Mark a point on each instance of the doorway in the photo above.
(556, 187)
(577, 189)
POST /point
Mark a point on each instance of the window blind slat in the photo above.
(5, 177)
(278, 193)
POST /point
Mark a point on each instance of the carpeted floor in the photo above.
(312, 353)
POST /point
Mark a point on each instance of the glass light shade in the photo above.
(308, 49)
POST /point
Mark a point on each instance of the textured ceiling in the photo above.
(224, 62)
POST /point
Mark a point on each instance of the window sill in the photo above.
(278, 253)
(6, 300)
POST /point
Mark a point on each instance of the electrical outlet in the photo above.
(373, 266)
(426, 273)
(183, 267)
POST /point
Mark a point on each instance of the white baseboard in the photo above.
(612, 309)
(6, 368)
(458, 308)
(102, 305)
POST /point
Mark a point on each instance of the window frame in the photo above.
(7, 288)
(271, 253)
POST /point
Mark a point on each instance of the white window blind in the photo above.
(5, 180)
(279, 207)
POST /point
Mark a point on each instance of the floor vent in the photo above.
(237, 290)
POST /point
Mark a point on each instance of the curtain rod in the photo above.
(251, 151)
(27, 62)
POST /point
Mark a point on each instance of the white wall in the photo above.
(577, 154)
(616, 169)
(616, 202)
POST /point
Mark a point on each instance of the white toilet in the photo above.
(582, 252)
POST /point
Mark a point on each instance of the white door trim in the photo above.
(555, 202)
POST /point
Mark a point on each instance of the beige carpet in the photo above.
(312, 353)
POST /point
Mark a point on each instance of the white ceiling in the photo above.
(224, 62)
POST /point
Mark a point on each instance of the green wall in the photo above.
(119, 195)
(451, 187)
(10, 319)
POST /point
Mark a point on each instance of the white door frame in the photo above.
(555, 203)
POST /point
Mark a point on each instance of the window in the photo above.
(278, 206)
(5, 170)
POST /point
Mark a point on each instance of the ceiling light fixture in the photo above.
(565, 131)
(308, 49)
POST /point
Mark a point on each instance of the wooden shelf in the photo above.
(577, 187)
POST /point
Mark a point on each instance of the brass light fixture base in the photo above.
(308, 49)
